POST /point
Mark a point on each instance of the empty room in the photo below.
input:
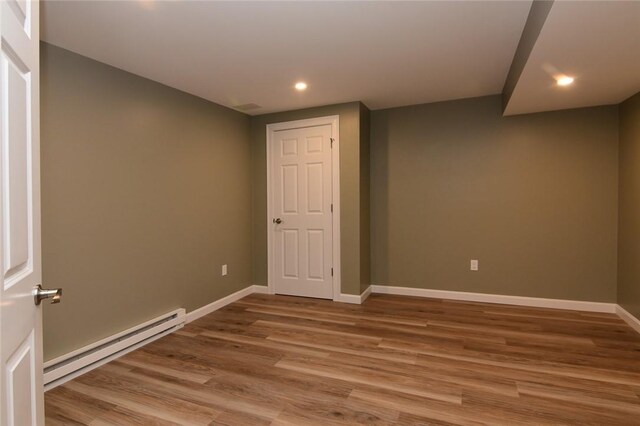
(319, 212)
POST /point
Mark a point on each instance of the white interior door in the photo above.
(21, 389)
(301, 227)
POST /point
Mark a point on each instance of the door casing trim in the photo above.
(334, 121)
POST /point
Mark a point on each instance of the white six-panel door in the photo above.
(301, 206)
(21, 390)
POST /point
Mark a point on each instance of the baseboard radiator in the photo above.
(73, 364)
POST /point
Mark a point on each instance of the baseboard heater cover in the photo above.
(73, 364)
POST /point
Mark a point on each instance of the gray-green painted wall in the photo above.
(532, 197)
(629, 214)
(137, 215)
(136, 199)
(365, 198)
(350, 193)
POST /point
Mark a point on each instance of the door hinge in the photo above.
(331, 271)
(332, 141)
(331, 208)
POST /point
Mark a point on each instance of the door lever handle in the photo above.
(277, 221)
(39, 294)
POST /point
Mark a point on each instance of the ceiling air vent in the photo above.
(246, 107)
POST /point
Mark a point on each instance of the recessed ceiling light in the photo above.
(564, 80)
(147, 4)
(301, 85)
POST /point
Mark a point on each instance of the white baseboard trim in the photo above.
(366, 293)
(260, 289)
(628, 318)
(538, 302)
(76, 363)
(221, 303)
(353, 298)
(348, 298)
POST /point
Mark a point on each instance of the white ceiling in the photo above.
(598, 43)
(383, 53)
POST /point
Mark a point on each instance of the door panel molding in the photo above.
(308, 147)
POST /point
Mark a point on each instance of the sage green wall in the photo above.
(533, 197)
(349, 189)
(629, 212)
(138, 214)
(365, 198)
(146, 191)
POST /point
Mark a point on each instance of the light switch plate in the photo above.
(224, 270)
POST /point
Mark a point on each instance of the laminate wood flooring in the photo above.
(394, 360)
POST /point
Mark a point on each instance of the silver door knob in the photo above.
(39, 294)
(277, 221)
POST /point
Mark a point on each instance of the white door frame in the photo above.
(334, 121)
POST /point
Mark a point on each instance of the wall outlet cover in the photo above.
(474, 265)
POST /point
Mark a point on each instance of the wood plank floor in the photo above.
(393, 360)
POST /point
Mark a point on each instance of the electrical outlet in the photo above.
(224, 270)
(474, 265)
